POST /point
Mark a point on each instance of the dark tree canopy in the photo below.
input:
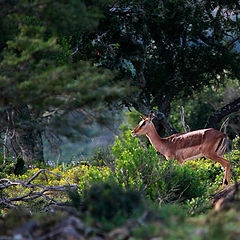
(36, 65)
(37, 76)
(167, 49)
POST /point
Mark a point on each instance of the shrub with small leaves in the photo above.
(141, 168)
(6, 167)
(198, 205)
(110, 203)
(234, 157)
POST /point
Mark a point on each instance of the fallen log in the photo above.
(226, 197)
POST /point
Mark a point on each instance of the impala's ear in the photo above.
(151, 116)
(142, 117)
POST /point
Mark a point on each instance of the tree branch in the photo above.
(36, 191)
(185, 126)
(222, 112)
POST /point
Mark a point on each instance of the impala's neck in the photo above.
(157, 142)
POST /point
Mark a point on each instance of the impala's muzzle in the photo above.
(134, 134)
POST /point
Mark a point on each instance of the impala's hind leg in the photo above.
(225, 164)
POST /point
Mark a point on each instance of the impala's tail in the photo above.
(222, 145)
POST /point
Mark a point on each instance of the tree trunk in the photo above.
(25, 137)
(162, 123)
(222, 112)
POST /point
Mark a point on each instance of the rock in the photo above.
(119, 234)
(70, 228)
(26, 229)
(97, 238)
(71, 221)
(149, 216)
(68, 233)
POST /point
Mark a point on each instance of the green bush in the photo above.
(234, 157)
(110, 203)
(199, 205)
(180, 183)
(101, 157)
(7, 167)
(207, 169)
(166, 222)
(134, 163)
(141, 168)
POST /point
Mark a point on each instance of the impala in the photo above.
(209, 143)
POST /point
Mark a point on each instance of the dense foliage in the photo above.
(133, 166)
(160, 180)
(129, 182)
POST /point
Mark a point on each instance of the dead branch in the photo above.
(185, 126)
(41, 170)
(5, 149)
(36, 191)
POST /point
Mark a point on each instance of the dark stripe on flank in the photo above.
(219, 145)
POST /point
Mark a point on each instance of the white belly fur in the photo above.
(193, 157)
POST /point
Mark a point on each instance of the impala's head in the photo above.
(144, 126)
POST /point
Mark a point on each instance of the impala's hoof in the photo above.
(225, 182)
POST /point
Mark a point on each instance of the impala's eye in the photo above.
(143, 124)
